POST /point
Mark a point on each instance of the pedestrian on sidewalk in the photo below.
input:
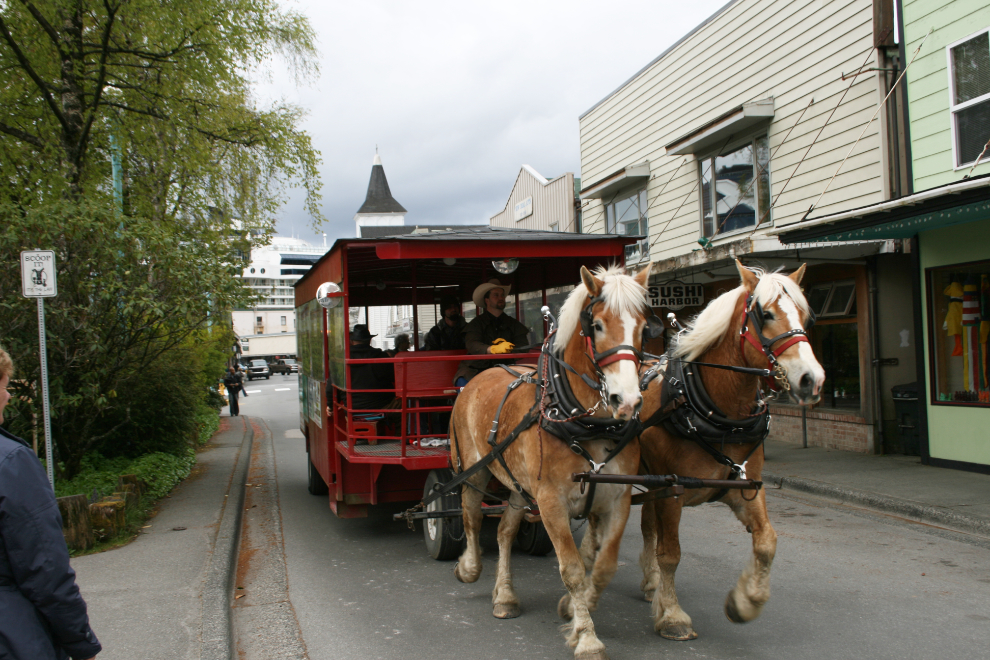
(43, 614)
(240, 379)
(233, 384)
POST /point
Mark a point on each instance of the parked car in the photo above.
(285, 367)
(258, 369)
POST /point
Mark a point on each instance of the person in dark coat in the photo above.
(233, 384)
(42, 614)
(370, 376)
(491, 332)
(448, 333)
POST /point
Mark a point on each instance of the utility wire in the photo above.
(875, 113)
(869, 54)
(978, 160)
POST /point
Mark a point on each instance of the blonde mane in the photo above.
(620, 291)
(708, 328)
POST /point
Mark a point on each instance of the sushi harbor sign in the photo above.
(675, 295)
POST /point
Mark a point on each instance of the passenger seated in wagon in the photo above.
(491, 332)
(448, 333)
(370, 376)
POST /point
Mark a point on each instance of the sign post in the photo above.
(38, 281)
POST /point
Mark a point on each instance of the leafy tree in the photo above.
(165, 84)
(162, 86)
(136, 310)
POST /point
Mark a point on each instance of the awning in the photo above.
(737, 121)
(614, 182)
(951, 204)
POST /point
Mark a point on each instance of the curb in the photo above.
(923, 513)
(217, 633)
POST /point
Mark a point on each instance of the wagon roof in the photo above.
(481, 242)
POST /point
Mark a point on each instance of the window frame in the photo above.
(954, 108)
(932, 326)
(628, 193)
(726, 149)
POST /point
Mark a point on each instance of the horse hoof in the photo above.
(591, 655)
(506, 610)
(732, 611)
(564, 608)
(678, 632)
(648, 596)
(462, 578)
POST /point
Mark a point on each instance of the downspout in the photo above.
(908, 189)
(877, 380)
(919, 350)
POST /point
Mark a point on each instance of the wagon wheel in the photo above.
(444, 536)
(316, 484)
(533, 539)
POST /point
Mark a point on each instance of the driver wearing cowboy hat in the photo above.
(491, 332)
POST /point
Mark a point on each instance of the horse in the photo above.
(724, 333)
(599, 335)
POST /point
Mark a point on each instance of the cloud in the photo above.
(458, 96)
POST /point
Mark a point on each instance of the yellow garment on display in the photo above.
(953, 320)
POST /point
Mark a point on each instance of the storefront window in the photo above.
(836, 346)
(958, 326)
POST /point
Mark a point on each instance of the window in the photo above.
(283, 320)
(735, 188)
(969, 97)
(258, 319)
(833, 299)
(958, 319)
(627, 216)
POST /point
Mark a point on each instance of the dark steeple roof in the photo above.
(379, 199)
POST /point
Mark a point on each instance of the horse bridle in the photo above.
(652, 329)
(753, 316)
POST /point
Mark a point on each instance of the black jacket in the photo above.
(42, 614)
(442, 337)
(371, 377)
(479, 335)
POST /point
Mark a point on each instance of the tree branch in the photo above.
(101, 78)
(45, 26)
(22, 136)
(26, 66)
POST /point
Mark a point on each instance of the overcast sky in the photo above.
(458, 95)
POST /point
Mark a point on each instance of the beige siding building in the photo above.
(536, 203)
(767, 113)
(744, 77)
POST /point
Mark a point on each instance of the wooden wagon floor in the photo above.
(391, 448)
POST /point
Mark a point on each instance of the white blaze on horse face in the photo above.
(622, 377)
(805, 364)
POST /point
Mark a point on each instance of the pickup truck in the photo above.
(284, 367)
(258, 369)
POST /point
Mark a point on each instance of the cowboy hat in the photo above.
(479, 293)
(361, 333)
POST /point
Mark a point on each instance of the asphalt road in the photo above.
(846, 583)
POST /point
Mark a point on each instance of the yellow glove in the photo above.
(500, 346)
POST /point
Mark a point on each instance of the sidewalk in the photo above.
(896, 485)
(166, 594)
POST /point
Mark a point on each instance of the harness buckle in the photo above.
(740, 469)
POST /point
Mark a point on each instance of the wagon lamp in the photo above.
(325, 295)
(506, 266)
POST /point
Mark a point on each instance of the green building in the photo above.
(944, 221)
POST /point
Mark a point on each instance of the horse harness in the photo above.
(688, 412)
(558, 410)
